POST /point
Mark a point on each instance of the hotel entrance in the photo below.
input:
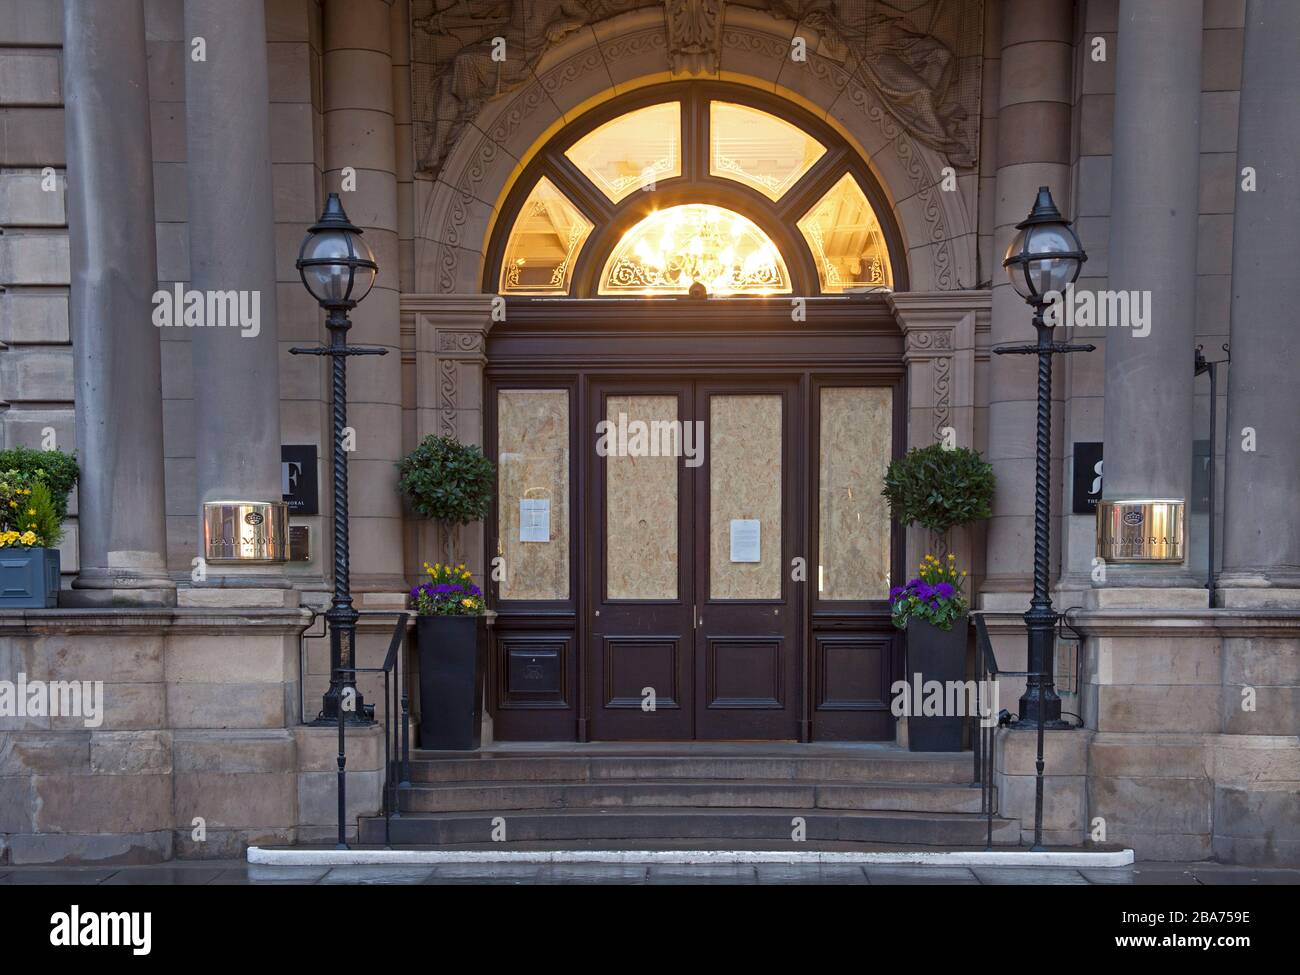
(693, 391)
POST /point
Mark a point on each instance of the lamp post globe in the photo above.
(336, 265)
(338, 269)
(1044, 258)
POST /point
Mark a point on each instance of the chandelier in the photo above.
(672, 250)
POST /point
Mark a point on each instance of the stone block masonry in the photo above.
(198, 750)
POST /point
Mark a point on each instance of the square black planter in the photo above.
(936, 655)
(453, 655)
(29, 578)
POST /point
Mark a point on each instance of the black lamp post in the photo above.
(1043, 259)
(338, 268)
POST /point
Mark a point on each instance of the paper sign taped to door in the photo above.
(745, 534)
(534, 519)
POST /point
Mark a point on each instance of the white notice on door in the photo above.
(745, 539)
(534, 519)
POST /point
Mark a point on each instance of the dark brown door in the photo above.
(641, 571)
(694, 623)
(748, 623)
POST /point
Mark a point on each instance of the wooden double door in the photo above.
(694, 603)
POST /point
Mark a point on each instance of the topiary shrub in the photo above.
(939, 488)
(447, 481)
(53, 468)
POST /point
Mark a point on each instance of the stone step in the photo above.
(726, 793)
(954, 768)
(909, 829)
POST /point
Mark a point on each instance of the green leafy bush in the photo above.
(53, 468)
(447, 481)
(939, 488)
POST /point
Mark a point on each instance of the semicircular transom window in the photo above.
(762, 151)
(632, 151)
(722, 197)
(544, 242)
(672, 249)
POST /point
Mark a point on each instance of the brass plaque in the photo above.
(1140, 531)
(299, 543)
(246, 531)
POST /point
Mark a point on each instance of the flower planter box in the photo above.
(29, 578)
(936, 655)
(453, 655)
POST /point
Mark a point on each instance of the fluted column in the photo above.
(232, 249)
(1261, 554)
(360, 139)
(1153, 234)
(116, 353)
(1033, 150)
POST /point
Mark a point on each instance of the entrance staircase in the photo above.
(693, 795)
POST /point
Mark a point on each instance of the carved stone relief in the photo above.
(920, 58)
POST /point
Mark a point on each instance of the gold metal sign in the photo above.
(1140, 531)
(246, 531)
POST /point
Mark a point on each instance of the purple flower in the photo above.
(925, 591)
(945, 590)
(895, 592)
(446, 587)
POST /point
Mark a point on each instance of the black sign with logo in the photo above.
(1087, 477)
(298, 478)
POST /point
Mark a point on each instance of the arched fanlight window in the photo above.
(694, 188)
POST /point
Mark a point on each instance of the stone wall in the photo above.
(199, 728)
(1190, 750)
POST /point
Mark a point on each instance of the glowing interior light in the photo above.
(721, 249)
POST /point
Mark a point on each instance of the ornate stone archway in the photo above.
(457, 196)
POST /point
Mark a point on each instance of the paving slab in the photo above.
(1053, 876)
(900, 875)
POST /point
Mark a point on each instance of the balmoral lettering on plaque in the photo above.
(246, 531)
(745, 539)
(534, 519)
(1140, 531)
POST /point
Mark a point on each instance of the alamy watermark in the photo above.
(651, 438)
(209, 309)
(1085, 308)
(919, 698)
(53, 699)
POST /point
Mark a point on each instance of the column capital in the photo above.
(940, 323)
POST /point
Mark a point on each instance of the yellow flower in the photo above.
(31, 511)
(13, 504)
(28, 538)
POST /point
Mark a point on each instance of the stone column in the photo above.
(1033, 150)
(123, 538)
(232, 250)
(360, 163)
(1154, 206)
(1261, 555)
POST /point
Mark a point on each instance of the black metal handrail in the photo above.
(397, 759)
(987, 670)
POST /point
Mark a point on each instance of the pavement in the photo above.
(239, 872)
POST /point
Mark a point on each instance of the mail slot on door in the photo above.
(533, 671)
